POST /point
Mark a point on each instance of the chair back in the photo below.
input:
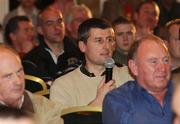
(36, 85)
(82, 115)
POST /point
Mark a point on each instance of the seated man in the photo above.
(148, 99)
(146, 18)
(173, 43)
(54, 56)
(85, 85)
(73, 18)
(10, 115)
(124, 37)
(12, 91)
(20, 34)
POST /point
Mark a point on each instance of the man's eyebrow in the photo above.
(6, 75)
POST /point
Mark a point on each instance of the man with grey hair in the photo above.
(73, 18)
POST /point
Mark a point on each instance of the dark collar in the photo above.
(86, 72)
(176, 70)
(27, 104)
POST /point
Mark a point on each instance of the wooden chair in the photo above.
(82, 115)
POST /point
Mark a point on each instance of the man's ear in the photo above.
(133, 67)
(166, 43)
(39, 30)
(13, 36)
(82, 46)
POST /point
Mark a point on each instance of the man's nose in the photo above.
(125, 37)
(17, 79)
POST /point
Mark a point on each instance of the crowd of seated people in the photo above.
(67, 48)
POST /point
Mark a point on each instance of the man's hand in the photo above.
(102, 90)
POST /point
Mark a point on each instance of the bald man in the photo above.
(13, 94)
(146, 100)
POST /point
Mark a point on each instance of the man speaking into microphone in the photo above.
(86, 85)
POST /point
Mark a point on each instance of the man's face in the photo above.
(148, 16)
(125, 36)
(153, 66)
(52, 27)
(174, 41)
(25, 34)
(11, 77)
(78, 17)
(99, 46)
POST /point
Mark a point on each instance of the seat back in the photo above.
(36, 85)
(82, 115)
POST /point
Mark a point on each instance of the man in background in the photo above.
(173, 43)
(146, 18)
(20, 34)
(54, 56)
(124, 36)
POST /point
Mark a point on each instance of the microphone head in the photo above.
(109, 63)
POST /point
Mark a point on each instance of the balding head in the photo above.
(150, 62)
(11, 77)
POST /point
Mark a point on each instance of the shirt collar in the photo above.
(19, 106)
(149, 97)
(86, 72)
(25, 104)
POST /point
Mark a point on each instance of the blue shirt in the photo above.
(132, 104)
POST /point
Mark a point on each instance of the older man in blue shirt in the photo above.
(146, 100)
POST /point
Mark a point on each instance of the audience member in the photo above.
(148, 99)
(86, 84)
(175, 104)
(12, 91)
(73, 18)
(169, 10)
(10, 115)
(20, 34)
(146, 18)
(173, 43)
(25, 8)
(124, 37)
(54, 56)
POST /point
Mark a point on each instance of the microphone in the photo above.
(109, 64)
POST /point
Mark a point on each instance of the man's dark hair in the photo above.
(86, 26)
(168, 25)
(12, 26)
(121, 20)
(15, 113)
